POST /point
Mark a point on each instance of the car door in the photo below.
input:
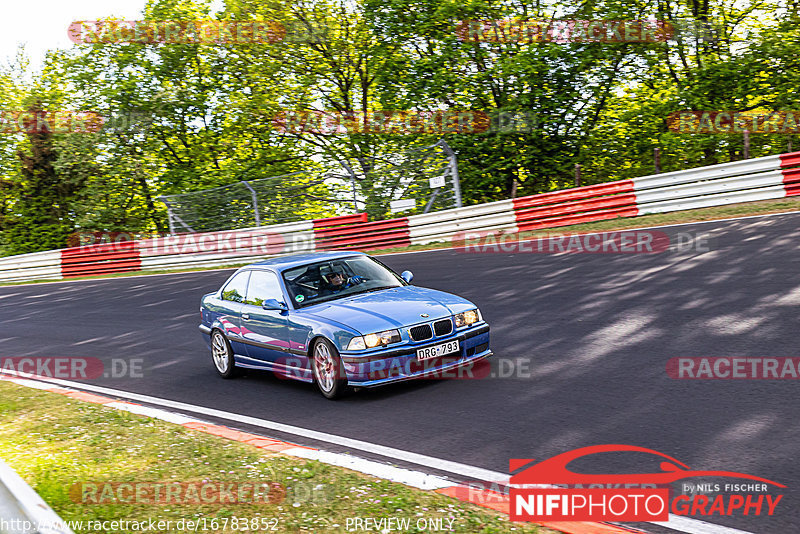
(265, 332)
(228, 310)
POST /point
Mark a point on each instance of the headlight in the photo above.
(467, 318)
(357, 343)
(373, 340)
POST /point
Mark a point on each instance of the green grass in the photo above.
(54, 442)
(785, 205)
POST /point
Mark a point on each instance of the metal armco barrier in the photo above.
(340, 221)
(21, 506)
(770, 177)
(210, 249)
(100, 259)
(36, 266)
(442, 225)
(716, 185)
(364, 235)
(578, 205)
(791, 177)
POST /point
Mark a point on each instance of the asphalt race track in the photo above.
(588, 336)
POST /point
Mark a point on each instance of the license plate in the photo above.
(437, 350)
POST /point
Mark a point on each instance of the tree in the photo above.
(558, 90)
(42, 212)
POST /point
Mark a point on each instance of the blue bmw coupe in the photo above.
(339, 319)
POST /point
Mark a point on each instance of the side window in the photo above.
(263, 286)
(236, 289)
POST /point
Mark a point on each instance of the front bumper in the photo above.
(397, 364)
(206, 331)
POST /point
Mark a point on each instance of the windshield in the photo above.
(333, 279)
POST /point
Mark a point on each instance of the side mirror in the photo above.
(407, 276)
(273, 304)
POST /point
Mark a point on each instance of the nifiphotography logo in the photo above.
(549, 491)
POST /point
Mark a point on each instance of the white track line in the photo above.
(696, 526)
(147, 411)
(679, 523)
(380, 470)
(381, 450)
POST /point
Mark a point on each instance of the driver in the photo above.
(336, 282)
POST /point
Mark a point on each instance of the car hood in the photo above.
(390, 308)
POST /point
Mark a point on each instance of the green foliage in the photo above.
(39, 217)
(191, 116)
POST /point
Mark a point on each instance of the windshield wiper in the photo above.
(379, 288)
(318, 300)
(344, 294)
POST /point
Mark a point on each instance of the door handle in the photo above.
(245, 316)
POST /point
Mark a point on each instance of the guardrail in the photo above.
(22, 511)
(442, 225)
(340, 221)
(209, 249)
(770, 177)
(100, 259)
(364, 235)
(717, 185)
(36, 266)
(574, 206)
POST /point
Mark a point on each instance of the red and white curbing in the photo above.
(481, 497)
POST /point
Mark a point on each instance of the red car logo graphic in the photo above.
(554, 470)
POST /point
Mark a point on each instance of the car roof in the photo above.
(280, 263)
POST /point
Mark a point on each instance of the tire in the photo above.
(222, 355)
(328, 370)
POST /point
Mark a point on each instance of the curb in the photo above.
(493, 500)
